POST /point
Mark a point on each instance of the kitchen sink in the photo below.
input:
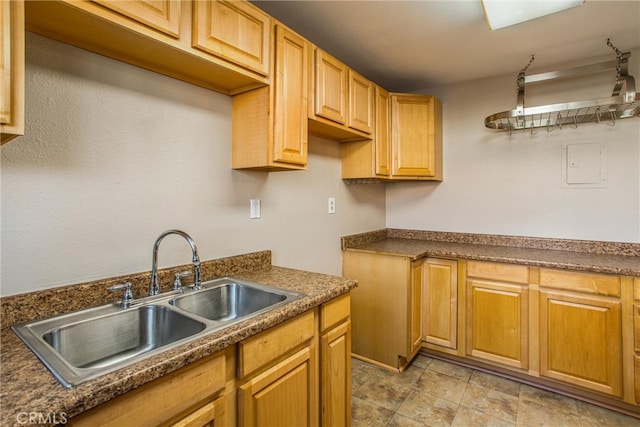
(85, 344)
(229, 301)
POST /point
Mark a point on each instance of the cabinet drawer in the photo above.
(266, 347)
(498, 271)
(152, 404)
(599, 284)
(334, 312)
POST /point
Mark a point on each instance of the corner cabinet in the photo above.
(407, 142)
(385, 307)
(269, 124)
(11, 70)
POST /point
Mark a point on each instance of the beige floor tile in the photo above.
(428, 409)
(467, 417)
(532, 414)
(548, 398)
(383, 392)
(365, 413)
(441, 385)
(495, 382)
(596, 416)
(456, 371)
(421, 361)
(401, 421)
(491, 402)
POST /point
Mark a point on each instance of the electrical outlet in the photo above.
(255, 209)
(331, 205)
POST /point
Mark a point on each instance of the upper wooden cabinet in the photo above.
(235, 31)
(407, 143)
(342, 106)
(416, 137)
(218, 45)
(269, 124)
(11, 70)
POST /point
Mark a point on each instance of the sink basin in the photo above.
(228, 300)
(85, 344)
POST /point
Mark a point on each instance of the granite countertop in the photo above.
(599, 257)
(27, 385)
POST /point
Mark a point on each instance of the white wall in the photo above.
(113, 155)
(500, 184)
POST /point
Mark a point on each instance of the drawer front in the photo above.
(150, 402)
(334, 312)
(598, 284)
(266, 347)
(498, 271)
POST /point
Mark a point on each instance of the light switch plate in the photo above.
(254, 209)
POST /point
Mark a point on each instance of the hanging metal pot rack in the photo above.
(620, 105)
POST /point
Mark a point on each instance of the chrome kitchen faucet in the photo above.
(154, 287)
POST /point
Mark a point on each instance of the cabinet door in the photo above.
(497, 316)
(440, 310)
(360, 110)
(581, 340)
(330, 88)
(335, 350)
(382, 137)
(416, 143)
(235, 31)
(11, 69)
(209, 415)
(161, 15)
(415, 307)
(291, 88)
(282, 395)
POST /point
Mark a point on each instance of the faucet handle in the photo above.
(128, 295)
(177, 285)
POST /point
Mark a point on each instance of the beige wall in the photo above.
(114, 155)
(500, 184)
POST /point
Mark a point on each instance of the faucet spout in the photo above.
(154, 286)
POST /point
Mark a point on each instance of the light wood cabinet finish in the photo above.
(11, 70)
(384, 307)
(211, 414)
(269, 125)
(163, 15)
(335, 366)
(158, 36)
(637, 370)
(235, 31)
(416, 136)
(283, 395)
(161, 400)
(440, 303)
(580, 340)
(407, 142)
(342, 106)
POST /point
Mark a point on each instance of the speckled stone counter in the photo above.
(27, 385)
(580, 255)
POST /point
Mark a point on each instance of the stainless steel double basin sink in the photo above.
(85, 344)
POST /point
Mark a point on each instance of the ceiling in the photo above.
(415, 45)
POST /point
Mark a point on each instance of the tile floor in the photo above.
(431, 392)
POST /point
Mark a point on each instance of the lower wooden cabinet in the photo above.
(636, 328)
(211, 414)
(440, 304)
(335, 364)
(581, 332)
(283, 395)
(497, 313)
(385, 307)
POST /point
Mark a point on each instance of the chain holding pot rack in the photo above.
(619, 105)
